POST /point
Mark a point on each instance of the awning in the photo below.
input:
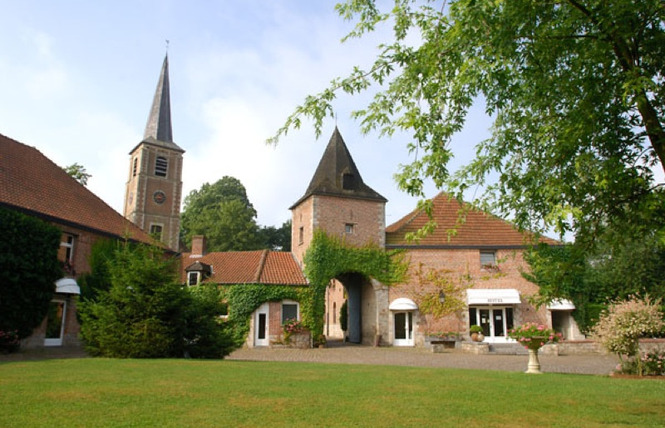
(561, 305)
(487, 296)
(67, 286)
(403, 304)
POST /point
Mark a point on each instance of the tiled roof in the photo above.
(478, 229)
(32, 183)
(249, 267)
(329, 177)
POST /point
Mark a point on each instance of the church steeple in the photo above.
(154, 185)
(159, 121)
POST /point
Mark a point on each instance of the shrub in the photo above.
(652, 363)
(624, 323)
(147, 314)
(29, 268)
(9, 341)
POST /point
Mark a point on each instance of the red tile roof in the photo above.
(478, 229)
(249, 267)
(32, 183)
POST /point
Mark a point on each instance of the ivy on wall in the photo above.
(325, 259)
(243, 299)
(328, 257)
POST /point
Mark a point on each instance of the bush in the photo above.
(9, 341)
(624, 323)
(652, 363)
(147, 314)
(29, 268)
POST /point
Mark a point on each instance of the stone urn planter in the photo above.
(533, 336)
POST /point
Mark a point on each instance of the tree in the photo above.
(574, 87)
(222, 212)
(277, 239)
(147, 314)
(78, 172)
(29, 267)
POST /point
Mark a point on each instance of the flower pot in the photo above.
(480, 337)
(534, 363)
(474, 337)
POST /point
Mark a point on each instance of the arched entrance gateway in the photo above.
(367, 308)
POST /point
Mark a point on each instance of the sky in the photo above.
(77, 79)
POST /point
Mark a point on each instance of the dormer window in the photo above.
(193, 278)
(161, 166)
(348, 181)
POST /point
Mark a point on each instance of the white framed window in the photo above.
(193, 278)
(66, 253)
(349, 228)
(161, 166)
(290, 310)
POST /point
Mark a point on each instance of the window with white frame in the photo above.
(348, 228)
(193, 278)
(66, 253)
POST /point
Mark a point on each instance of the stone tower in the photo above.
(338, 201)
(154, 185)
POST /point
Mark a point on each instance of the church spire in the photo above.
(159, 121)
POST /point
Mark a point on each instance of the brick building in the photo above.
(33, 185)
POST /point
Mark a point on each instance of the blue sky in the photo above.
(77, 79)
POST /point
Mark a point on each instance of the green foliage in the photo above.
(575, 90)
(29, 268)
(328, 257)
(624, 323)
(650, 363)
(432, 284)
(147, 314)
(98, 279)
(223, 214)
(277, 239)
(78, 173)
(618, 266)
(243, 299)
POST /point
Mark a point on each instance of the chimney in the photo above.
(198, 246)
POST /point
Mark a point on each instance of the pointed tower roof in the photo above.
(337, 175)
(158, 130)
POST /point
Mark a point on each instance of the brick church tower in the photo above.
(154, 185)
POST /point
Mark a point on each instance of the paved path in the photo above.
(357, 354)
(419, 357)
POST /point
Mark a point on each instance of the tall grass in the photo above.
(186, 393)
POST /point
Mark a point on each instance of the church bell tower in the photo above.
(154, 185)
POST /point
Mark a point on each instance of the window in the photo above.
(487, 259)
(289, 311)
(135, 166)
(301, 235)
(348, 181)
(156, 231)
(348, 228)
(193, 278)
(66, 253)
(161, 165)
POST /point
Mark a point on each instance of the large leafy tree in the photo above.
(29, 267)
(278, 239)
(222, 212)
(574, 88)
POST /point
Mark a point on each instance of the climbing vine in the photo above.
(243, 299)
(329, 257)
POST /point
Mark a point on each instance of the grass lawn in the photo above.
(183, 393)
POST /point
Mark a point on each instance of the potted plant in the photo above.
(476, 332)
(320, 341)
(534, 336)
